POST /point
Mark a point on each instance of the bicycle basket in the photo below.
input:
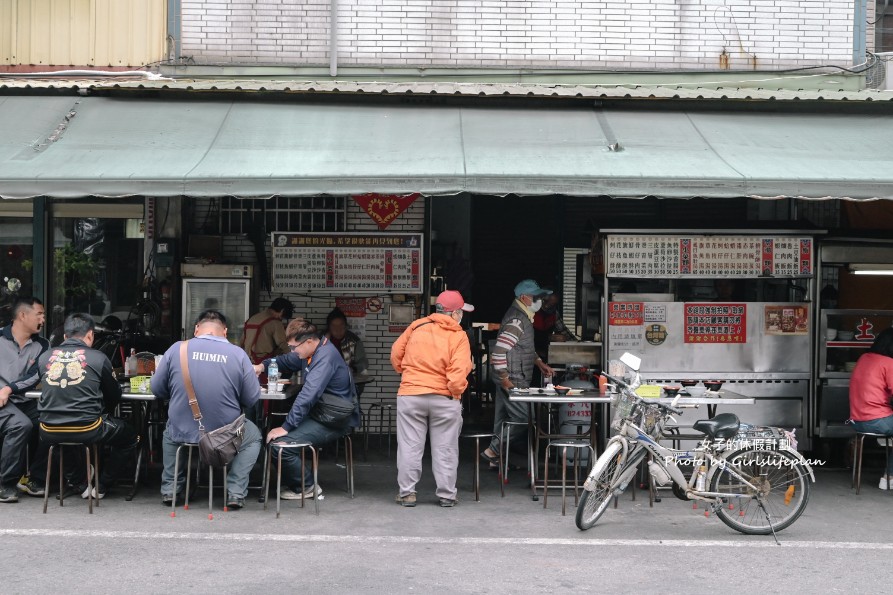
(648, 420)
(624, 406)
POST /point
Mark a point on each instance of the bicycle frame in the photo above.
(631, 434)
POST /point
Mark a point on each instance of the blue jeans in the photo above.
(310, 431)
(883, 425)
(237, 472)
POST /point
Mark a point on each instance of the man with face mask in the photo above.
(513, 359)
(548, 326)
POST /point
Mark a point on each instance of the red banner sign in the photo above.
(385, 208)
(715, 323)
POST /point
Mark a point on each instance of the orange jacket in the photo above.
(434, 357)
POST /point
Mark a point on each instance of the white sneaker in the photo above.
(886, 482)
(99, 496)
(289, 494)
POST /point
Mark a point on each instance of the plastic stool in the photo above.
(191, 446)
(477, 464)
(579, 445)
(90, 475)
(857, 456)
(505, 442)
(269, 461)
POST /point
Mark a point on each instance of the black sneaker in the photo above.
(72, 490)
(32, 488)
(168, 499)
(448, 503)
(235, 503)
(8, 494)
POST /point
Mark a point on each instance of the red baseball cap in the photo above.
(452, 300)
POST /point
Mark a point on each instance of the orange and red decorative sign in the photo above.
(385, 208)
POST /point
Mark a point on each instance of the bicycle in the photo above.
(754, 490)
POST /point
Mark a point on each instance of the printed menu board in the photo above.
(357, 262)
(694, 256)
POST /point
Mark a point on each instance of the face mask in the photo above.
(536, 305)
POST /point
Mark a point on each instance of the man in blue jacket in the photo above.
(325, 372)
(224, 382)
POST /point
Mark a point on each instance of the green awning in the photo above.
(98, 146)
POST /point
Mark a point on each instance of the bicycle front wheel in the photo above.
(593, 504)
(781, 484)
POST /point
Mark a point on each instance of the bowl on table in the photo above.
(713, 385)
(845, 335)
(696, 391)
(562, 390)
(671, 391)
(687, 383)
(831, 334)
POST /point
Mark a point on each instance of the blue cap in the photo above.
(531, 288)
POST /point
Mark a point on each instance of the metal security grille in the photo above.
(281, 213)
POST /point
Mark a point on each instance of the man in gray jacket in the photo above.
(20, 346)
(224, 382)
(513, 359)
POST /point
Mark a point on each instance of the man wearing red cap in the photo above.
(434, 358)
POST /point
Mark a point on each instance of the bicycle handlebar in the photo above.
(669, 408)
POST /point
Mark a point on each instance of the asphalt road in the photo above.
(369, 544)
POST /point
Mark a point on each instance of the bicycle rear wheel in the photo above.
(593, 504)
(782, 484)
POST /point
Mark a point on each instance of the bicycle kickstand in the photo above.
(769, 520)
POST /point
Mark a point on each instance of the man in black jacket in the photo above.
(79, 391)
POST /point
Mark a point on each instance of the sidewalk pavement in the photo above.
(834, 511)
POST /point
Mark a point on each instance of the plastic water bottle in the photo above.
(273, 377)
(132, 363)
(701, 482)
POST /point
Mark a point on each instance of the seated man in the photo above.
(326, 372)
(224, 382)
(79, 392)
(20, 346)
(346, 342)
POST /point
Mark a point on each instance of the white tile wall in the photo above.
(316, 306)
(634, 34)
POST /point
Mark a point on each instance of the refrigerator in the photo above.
(224, 287)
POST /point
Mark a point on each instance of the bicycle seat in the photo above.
(724, 425)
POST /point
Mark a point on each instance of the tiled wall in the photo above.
(316, 306)
(632, 34)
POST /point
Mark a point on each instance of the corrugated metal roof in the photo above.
(532, 90)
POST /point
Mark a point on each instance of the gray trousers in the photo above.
(508, 411)
(418, 415)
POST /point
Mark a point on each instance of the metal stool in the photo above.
(477, 464)
(268, 461)
(90, 483)
(505, 442)
(857, 456)
(579, 445)
(381, 411)
(191, 446)
(348, 462)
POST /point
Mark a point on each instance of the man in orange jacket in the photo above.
(434, 357)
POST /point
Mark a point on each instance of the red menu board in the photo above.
(716, 323)
(626, 313)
